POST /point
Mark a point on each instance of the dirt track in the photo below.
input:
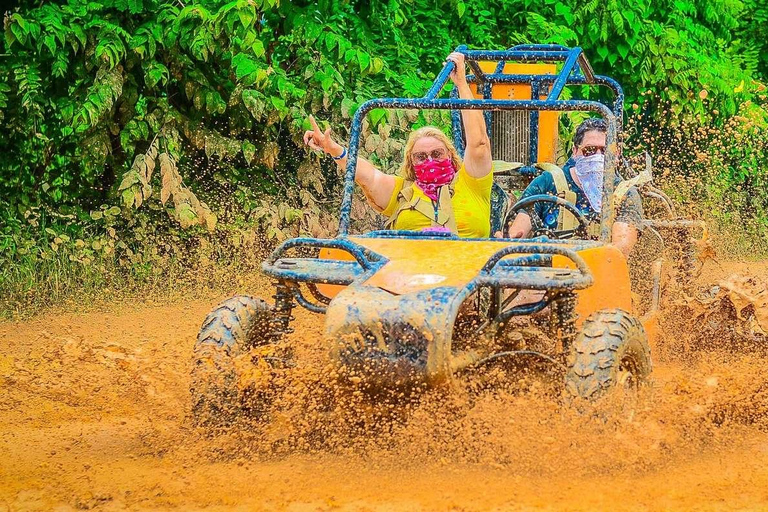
(95, 416)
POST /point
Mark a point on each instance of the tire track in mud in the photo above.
(95, 416)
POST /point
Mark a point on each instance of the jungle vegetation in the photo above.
(147, 140)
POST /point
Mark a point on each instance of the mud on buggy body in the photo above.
(391, 321)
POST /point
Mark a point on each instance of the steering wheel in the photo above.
(538, 228)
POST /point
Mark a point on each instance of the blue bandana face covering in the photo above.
(589, 170)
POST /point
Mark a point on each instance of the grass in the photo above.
(33, 286)
(59, 271)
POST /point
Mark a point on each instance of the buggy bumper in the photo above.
(373, 260)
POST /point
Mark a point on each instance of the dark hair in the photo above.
(596, 124)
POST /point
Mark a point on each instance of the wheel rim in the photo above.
(626, 376)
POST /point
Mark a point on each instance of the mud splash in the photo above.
(96, 416)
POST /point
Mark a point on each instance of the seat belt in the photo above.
(566, 221)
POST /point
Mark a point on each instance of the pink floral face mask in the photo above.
(433, 174)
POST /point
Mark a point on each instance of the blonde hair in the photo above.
(406, 169)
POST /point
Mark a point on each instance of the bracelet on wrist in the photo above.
(342, 155)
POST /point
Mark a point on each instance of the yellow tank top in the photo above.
(471, 203)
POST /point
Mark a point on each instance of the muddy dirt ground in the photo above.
(95, 415)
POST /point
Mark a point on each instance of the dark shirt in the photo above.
(629, 211)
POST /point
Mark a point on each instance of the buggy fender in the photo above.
(331, 290)
(611, 287)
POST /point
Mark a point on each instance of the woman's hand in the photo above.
(459, 73)
(377, 186)
(321, 141)
(477, 158)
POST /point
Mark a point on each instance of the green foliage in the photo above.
(96, 96)
(48, 259)
(223, 87)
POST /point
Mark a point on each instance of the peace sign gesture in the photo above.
(321, 141)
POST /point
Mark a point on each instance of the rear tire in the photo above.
(610, 351)
(230, 330)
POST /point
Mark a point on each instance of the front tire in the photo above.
(610, 351)
(230, 331)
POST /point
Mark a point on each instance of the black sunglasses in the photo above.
(591, 150)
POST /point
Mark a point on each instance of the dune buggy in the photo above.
(394, 300)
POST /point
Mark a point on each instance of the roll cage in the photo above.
(530, 268)
(576, 70)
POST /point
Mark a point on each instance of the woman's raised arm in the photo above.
(477, 154)
(377, 186)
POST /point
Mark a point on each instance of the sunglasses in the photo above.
(422, 156)
(591, 150)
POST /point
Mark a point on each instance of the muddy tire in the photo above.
(230, 330)
(611, 350)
